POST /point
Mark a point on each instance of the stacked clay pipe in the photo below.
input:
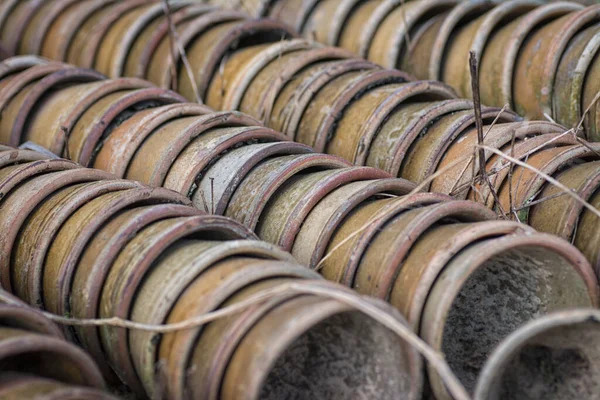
(37, 363)
(540, 59)
(429, 255)
(232, 39)
(80, 243)
(323, 98)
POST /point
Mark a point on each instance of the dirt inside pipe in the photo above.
(348, 356)
(563, 363)
(504, 293)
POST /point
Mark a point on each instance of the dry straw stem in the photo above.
(204, 202)
(547, 177)
(507, 164)
(579, 125)
(510, 177)
(172, 44)
(587, 145)
(174, 41)
(40, 149)
(534, 150)
(473, 66)
(456, 188)
(360, 303)
(221, 76)
(587, 110)
(246, 6)
(409, 43)
(538, 201)
(212, 195)
(250, 8)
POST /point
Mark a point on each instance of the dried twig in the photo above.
(538, 201)
(212, 195)
(474, 176)
(505, 164)
(65, 133)
(549, 118)
(520, 175)
(479, 124)
(471, 162)
(204, 202)
(250, 8)
(547, 177)
(406, 34)
(172, 45)
(28, 145)
(574, 234)
(534, 150)
(175, 42)
(222, 78)
(587, 145)
(510, 176)
(581, 120)
(585, 113)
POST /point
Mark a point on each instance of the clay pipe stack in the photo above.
(118, 38)
(343, 107)
(78, 242)
(540, 59)
(374, 117)
(439, 272)
(379, 128)
(36, 361)
(312, 207)
(367, 115)
(322, 98)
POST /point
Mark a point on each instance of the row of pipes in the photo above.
(367, 226)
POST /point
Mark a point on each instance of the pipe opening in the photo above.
(506, 291)
(345, 356)
(562, 363)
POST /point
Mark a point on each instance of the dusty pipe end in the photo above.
(321, 349)
(305, 370)
(492, 288)
(556, 356)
